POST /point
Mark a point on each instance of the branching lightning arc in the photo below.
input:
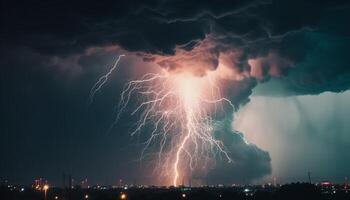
(174, 111)
(102, 80)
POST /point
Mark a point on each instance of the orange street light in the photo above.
(123, 196)
(45, 188)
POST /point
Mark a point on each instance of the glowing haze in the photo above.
(179, 108)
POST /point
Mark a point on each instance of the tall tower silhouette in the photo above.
(309, 175)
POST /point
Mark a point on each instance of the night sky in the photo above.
(289, 59)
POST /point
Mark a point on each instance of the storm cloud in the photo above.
(277, 47)
(249, 161)
(263, 39)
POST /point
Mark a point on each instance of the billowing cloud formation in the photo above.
(260, 38)
(250, 162)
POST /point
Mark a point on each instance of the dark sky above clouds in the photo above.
(52, 52)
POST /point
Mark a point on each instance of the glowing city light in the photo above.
(45, 188)
(123, 196)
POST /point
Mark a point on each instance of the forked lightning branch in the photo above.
(175, 112)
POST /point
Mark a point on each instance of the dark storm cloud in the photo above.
(151, 26)
(324, 67)
(256, 28)
(62, 27)
(249, 162)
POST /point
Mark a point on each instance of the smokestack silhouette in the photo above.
(309, 175)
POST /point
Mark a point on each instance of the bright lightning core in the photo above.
(175, 112)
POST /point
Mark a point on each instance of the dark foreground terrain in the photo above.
(291, 191)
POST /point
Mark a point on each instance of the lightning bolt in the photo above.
(189, 123)
(174, 111)
(102, 80)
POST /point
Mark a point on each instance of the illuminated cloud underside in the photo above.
(178, 107)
